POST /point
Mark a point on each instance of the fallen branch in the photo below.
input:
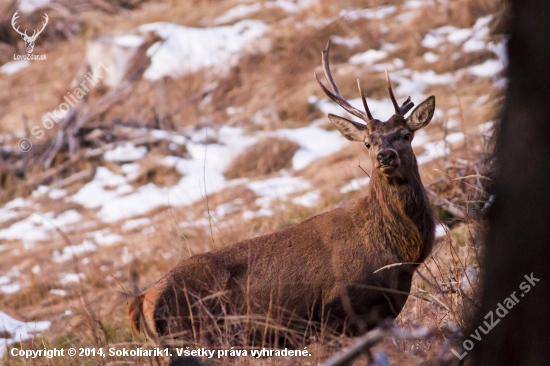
(370, 339)
(446, 204)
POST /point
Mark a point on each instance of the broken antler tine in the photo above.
(369, 115)
(395, 106)
(406, 106)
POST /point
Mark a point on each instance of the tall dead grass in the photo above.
(267, 156)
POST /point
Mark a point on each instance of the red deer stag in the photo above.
(324, 270)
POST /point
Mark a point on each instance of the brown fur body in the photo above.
(325, 269)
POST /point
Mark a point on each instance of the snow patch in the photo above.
(186, 50)
(28, 6)
(10, 288)
(71, 251)
(369, 57)
(70, 278)
(430, 57)
(36, 227)
(355, 185)
(118, 200)
(441, 230)
(487, 69)
(348, 42)
(377, 13)
(278, 187)
(105, 238)
(19, 331)
(12, 67)
(58, 292)
(314, 142)
(309, 199)
(136, 223)
(126, 152)
(238, 12)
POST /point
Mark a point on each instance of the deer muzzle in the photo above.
(387, 157)
(388, 161)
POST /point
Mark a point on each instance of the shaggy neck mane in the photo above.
(405, 208)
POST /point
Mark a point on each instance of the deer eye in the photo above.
(367, 145)
(408, 137)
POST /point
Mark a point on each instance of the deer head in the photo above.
(29, 40)
(388, 143)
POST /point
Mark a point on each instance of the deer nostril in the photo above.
(386, 156)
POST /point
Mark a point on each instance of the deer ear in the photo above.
(351, 130)
(422, 115)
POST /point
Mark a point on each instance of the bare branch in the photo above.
(370, 339)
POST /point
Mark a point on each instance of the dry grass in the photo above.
(267, 156)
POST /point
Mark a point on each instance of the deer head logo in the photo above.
(29, 40)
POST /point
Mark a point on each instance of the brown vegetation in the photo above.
(267, 156)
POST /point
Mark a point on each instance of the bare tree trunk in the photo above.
(518, 243)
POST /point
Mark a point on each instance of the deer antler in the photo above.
(364, 100)
(407, 104)
(15, 16)
(334, 93)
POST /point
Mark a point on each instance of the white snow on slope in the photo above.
(308, 199)
(18, 330)
(8, 211)
(185, 49)
(369, 57)
(275, 188)
(314, 143)
(118, 200)
(376, 13)
(278, 187)
(71, 251)
(12, 67)
(36, 227)
(243, 10)
(238, 12)
(355, 185)
(28, 6)
(126, 152)
(487, 69)
(472, 39)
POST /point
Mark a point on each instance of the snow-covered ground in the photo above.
(19, 331)
(186, 50)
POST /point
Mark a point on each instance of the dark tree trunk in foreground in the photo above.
(518, 242)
